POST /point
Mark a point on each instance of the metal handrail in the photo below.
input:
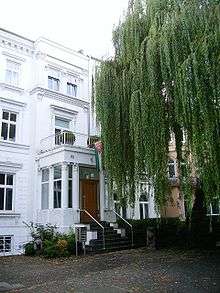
(132, 232)
(103, 229)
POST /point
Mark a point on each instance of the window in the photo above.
(71, 89)
(171, 169)
(53, 83)
(214, 208)
(45, 189)
(6, 191)
(120, 207)
(144, 200)
(8, 127)
(5, 244)
(12, 72)
(61, 124)
(57, 187)
(70, 197)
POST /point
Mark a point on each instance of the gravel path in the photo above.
(125, 271)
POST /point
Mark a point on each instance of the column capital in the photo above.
(75, 167)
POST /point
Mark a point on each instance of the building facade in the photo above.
(48, 168)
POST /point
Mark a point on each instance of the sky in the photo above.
(77, 24)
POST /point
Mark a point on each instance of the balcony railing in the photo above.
(66, 138)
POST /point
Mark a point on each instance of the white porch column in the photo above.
(51, 172)
(75, 191)
(64, 193)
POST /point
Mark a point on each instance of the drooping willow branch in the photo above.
(165, 76)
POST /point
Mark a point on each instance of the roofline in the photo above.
(17, 35)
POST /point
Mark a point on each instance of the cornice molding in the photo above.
(12, 87)
(17, 58)
(13, 102)
(59, 96)
(14, 145)
(10, 165)
(65, 110)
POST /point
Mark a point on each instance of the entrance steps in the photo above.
(115, 238)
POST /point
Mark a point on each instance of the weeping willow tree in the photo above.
(165, 76)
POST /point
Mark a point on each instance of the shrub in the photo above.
(48, 242)
(29, 249)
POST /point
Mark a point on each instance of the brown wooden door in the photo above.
(89, 200)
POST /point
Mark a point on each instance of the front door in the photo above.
(89, 200)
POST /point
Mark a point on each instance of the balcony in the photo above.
(64, 138)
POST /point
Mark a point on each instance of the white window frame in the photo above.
(55, 83)
(173, 163)
(44, 183)
(143, 203)
(211, 210)
(6, 186)
(12, 80)
(71, 89)
(56, 190)
(9, 123)
(3, 238)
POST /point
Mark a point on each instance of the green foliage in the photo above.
(164, 76)
(29, 249)
(48, 242)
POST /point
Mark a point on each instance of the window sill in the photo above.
(13, 144)
(4, 214)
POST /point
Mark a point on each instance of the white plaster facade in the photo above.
(45, 86)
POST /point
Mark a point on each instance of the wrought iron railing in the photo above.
(97, 222)
(125, 221)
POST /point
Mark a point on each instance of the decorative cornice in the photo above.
(65, 110)
(16, 46)
(10, 165)
(14, 145)
(17, 58)
(12, 87)
(13, 102)
(59, 96)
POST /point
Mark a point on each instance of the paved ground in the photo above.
(126, 271)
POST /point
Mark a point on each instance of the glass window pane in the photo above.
(8, 76)
(9, 179)
(2, 178)
(8, 205)
(1, 198)
(146, 210)
(50, 83)
(5, 115)
(12, 132)
(60, 122)
(172, 171)
(13, 117)
(70, 194)
(7, 244)
(70, 170)
(141, 211)
(57, 172)
(45, 196)
(45, 175)
(4, 133)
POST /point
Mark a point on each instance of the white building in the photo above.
(47, 171)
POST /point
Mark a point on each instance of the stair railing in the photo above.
(103, 229)
(132, 232)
